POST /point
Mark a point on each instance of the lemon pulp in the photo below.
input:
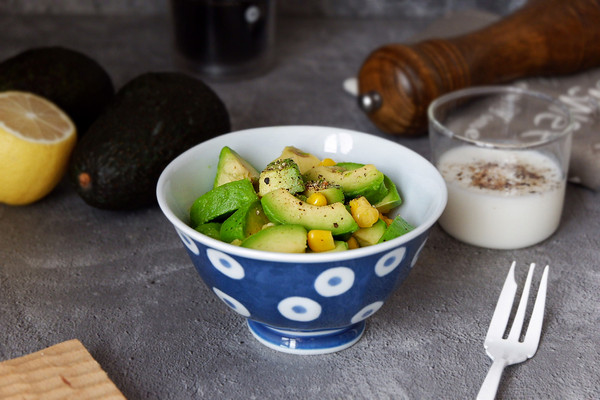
(36, 141)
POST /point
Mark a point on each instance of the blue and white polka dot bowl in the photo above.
(304, 303)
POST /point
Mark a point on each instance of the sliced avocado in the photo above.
(304, 160)
(398, 227)
(211, 229)
(349, 165)
(372, 235)
(222, 201)
(279, 238)
(391, 200)
(278, 174)
(332, 193)
(246, 221)
(232, 167)
(282, 207)
(364, 181)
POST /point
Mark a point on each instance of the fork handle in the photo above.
(490, 384)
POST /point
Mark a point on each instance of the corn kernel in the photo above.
(363, 212)
(352, 243)
(317, 199)
(327, 162)
(358, 202)
(365, 217)
(320, 240)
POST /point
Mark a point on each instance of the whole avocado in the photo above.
(150, 121)
(71, 80)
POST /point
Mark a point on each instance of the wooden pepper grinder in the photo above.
(545, 37)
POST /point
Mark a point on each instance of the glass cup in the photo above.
(224, 39)
(504, 154)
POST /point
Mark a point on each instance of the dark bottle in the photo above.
(224, 38)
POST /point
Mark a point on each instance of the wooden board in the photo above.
(63, 371)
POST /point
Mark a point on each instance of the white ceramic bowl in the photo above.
(304, 303)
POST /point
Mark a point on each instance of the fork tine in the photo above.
(510, 351)
(504, 305)
(534, 330)
(517, 326)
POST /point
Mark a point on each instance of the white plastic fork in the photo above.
(509, 351)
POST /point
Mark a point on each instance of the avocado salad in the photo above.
(298, 204)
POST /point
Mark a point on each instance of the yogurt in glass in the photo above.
(501, 199)
(504, 153)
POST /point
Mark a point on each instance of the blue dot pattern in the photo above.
(299, 309)
(188, 242)
(335, 281)
(324, 296)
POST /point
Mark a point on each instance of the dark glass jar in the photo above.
(224, 39)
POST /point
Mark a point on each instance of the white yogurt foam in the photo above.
(501, 199)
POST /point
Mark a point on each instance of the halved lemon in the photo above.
(36, 141)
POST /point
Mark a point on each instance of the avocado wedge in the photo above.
(279, 238)
(398, 227)
(282, 207)
(233, 167)
(247, 220)
(371, 235)
(391, 200)
(222, 201)
(364, 181)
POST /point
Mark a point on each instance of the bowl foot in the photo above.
(307, 342)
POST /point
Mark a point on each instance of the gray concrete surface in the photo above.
(122, 283)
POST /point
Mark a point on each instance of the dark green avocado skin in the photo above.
(73, 81)
(150, 121)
